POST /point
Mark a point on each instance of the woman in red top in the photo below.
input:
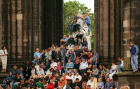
(50, 85)
(59, 67)
(61, 83)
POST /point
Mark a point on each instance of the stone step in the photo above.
(11, 64)
(128, 78)
(3, 76)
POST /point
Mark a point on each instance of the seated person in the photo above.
(69, 65)
(100, 84)
(108, 84)
(40, 72)
(95, 58)
(95, 71)
(79, 37)
(121, 65)
(71, 41)
(91, 82)
(113, 70)
(16, 81)
(76, 26)
(10, 78)
(84, 42)
(15, 70)
(70, 55)
(77, 76)
(64, 40)
(53, 64)
(37, 56)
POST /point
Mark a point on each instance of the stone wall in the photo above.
(116, 24)
(27, 24)
(130, 79)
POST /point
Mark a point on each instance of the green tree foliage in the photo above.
(77, 8)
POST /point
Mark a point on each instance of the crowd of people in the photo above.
(72, 65)
(61, 68)
(80, 21)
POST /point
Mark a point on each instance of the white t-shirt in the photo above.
(122, 63)
(40, 72)
(114, 67)
(53, 64)
(2, 52)
(37, 67)
(80, 22)
(70, 77)
(91, 83)
(33, 72)
(79, 77)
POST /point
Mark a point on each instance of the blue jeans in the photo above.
(120, 68)
(134, 62)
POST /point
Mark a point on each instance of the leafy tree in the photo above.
(77, 8)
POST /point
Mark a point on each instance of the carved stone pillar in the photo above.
(14, 28)
(1, 23)
(19, 28)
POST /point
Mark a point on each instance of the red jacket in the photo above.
(50, 86)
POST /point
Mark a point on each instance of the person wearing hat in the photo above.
(3, 57)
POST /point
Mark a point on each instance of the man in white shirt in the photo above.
(121, 66)
(70, 76)
(113, 70)
(3, 57)
(83, 66)
(40, 72)
(91, 82)
(77, 76)
(53, 64)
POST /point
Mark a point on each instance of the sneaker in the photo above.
(134, 71)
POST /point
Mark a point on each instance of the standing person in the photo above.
(87, 20)
(134, 56)
(3, 57)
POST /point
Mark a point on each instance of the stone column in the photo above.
(126, 35)
(9, 36)
(112, 21)
(1, 32)
(36, 29)
(100, 31)
(105, 30)
(19, 29)
(13, 28)
(25, 28)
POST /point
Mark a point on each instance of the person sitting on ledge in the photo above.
(113, 70)
(121, 65)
